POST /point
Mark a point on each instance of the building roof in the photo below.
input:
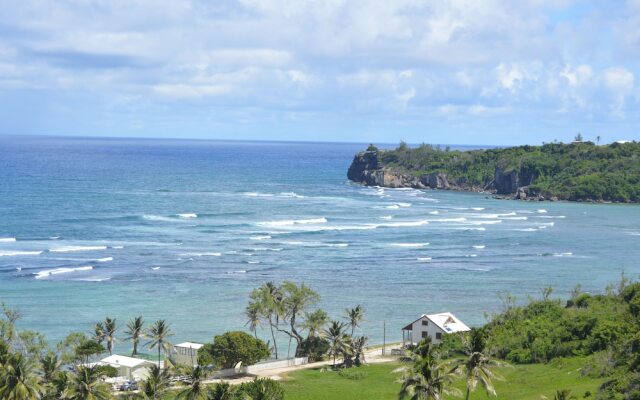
(446, 321)
(189, 345)
(124, 361)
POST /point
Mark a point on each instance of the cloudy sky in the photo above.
(460, 72)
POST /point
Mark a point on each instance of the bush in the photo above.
(261, 389)
(314, 347)
(231, 348)
(352, 374)
(107, 370)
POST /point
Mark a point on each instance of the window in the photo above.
(438, 336)
(425, 322)
(425, 334)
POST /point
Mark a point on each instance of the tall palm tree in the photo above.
(564, 394)
(267, 302)
(427, 377)
(158, 334)
(354, 317)
(477, 366)
(135, 332)
(253, 314)
(86, 384)
(110, 329)
(19, 380)
(221, 391)
(336, 336)
(196, 390)
(157, 383)
(98, 333)
(314, 322)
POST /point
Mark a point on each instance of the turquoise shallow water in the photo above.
(183, 230)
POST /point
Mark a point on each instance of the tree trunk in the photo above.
(273, 336)
(159, 346)
(467, 396)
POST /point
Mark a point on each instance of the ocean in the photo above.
(184, 229)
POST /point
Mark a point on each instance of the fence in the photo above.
(265, 366)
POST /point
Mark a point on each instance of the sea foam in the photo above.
(8, 253)
(7, 239)
(69, 249)
(63, 270)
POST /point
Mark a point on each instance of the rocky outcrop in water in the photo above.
(367, 168)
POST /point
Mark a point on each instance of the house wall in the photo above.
(184, 355)
(417, 328)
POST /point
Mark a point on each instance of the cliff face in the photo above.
(368, 169)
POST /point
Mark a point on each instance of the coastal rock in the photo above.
(436, 180)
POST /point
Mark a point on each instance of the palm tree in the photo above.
(354, 317)
(427, 378)
(196, 390)
(134, 332)
(221, 391)
(266, 302)
(86, 384)
(158, 333)
(564, 394)
(336, 336)
(98, 333)
(477, 366)
(110, 333)
(357, 349)
(253, 314)
(50, 366)
(157, 383)
(314, 322)
(18, 379)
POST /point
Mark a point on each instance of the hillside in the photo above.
(554, 171)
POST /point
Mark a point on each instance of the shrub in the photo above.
(314, 347)
(352, 374)
(261, 389)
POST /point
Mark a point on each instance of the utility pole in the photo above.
(384, 336)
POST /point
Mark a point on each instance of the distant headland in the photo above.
(578, 171)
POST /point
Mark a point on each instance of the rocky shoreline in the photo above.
(367, 169)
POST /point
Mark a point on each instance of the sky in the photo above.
(495, 72)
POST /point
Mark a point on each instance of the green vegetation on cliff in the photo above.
(576, 171)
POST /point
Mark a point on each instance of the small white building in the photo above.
(434, 326)
(133, 369)
(186, 353)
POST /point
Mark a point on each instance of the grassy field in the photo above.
(522, 382)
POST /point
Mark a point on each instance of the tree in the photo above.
(233, 347)
(156, 384)
(427, 377)
(196, 389)
(253, 314)
(358, 345)
(262, 389)
(314, 322)
(222, 391)
(336, 337)
(158, 334)
(134, 332)
(67, 347)
(295, 301)
(50, 366)
(477, 366)
(98, 332)
(578, 137)
(354, 317)
(87, 349)
(314, 347)
(372, 147)
(86, 384)
(110, 333)
(598, 139)
(266, 302)
(19, 380)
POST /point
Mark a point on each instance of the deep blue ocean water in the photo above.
(183, 230)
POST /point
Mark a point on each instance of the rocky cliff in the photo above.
(367, 168)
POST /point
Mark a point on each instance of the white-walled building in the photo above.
(186, 353)
(132, 368)
(434, 326)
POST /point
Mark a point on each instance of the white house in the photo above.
(129, 367)
(186, 353)
(432, 325)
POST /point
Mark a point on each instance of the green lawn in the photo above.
(522, 382)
